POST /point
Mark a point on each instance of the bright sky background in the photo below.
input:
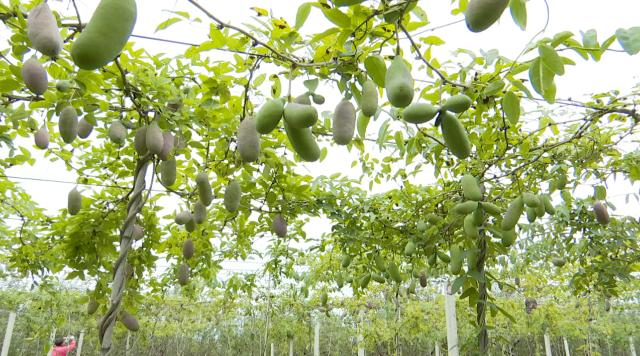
(614, 71)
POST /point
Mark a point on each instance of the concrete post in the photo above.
(7, 334)
(452, 324)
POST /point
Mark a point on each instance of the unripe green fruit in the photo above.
(531, 214)
(457, 103)
(455, 136)
(491, 208)
(455, 264)
(84, 128)
(540, 209)
(248, 140)
(472, 259)
(423, 280)
(168, 172)
(232, 196)
(74, 201)
(269, 116)
(300, 116)
(302, 99)
(167, 146)
(558, 261)
(42, 30)
(303, 142)
(92, 306)
(548, 206)
(183, 274)
(68, 124)
(140, 141)
(421, 226)
(600, 210)
(364, 280)
(117, 133)
(346, 261)
(35, 76)
(378, 278)
(154, 138)
(41, 138)
(183, 217)
(344, 122)
(481, 14)
(470, 227)
(530, 200)
(318, 99)
(369, 99)
(394, 272)
(105, 35)
(471, 188)
(399, 83)
(410, 248)
(465, 208)
(190, 226)
(279, 226)
(379, 261)
(204, 188)
(63, 85)
(419, 113)
(443, 257)
(188, 249)
(199, 212)
(478, 217)
(129, 321)
(512, 215)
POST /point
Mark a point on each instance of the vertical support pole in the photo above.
(547, 344)
(452, 323)
(7, 334)
(316, 340)
(126, 349)
(567, 352)
(291, 347)
(360, 335)
(632, 346)
(51, 339)
(437, 348)
(80, 341)
(273, 350)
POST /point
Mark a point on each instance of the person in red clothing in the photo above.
(64, 346)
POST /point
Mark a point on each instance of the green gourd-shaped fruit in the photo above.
(167, 146)
(369, 99)
(74, 201)
(188, 249)
(68, 124)
(531, 214)
(559, 261)
(317, 99)
(455, 136)
(548, 206)
(300, 116)
(190, 226)
(410, 248)
(399, 83)
(540, 209)
(199, 212)
(140, 141)
(84, 128)
(232, 196)
(344, 122)
(154, 138)
(63, 85)
(465, 208)
(279, 226)
(491, 209)
(183, 217)
(35, 76)
(471, 188)
(472, 258)
(419, 113)
(105, 35)
(379, 261)
(41, 137)
(204, 188)
(346, 261)
(378, 278)
(183, 274)
(248, 140)
(481, 14)
(168, 172)
(42, 30)
(92, 306)
(303, 142)
(269, 116)
(117, 133)
(513, 213)
(364, 280)
(394, 272)
(508, 237)
(302, 99)
(470, 228)
(129, 321)
(455, 264)
(457, 103)
(600, 210)
(530, 200)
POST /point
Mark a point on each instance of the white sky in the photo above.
(614, 71)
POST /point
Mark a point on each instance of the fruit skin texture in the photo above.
(232, 196)
(105, 35)
(465, 208)
(491, 208)
(199, 212)
(167, 146)
(183, 217)
(511, 217)
(369, 100)
(481, 14)
(248, 140)
(63, 85)
(68, 124)
(455, 136)
(74, 201)
(92, 306)
(346, 261)
(317, 99)
(302, 99)
(471, 188)
(204, 188)
(84, 128)
(117, 133)
(154, 138)
(41, 138)
(457, 103)
(470, 228)
(188, 249)
(455, 264)
(508, 237)
(344, 122)
(399, 83)
(42, 30)
(303, 142)
(548, 206)
(168, 172)
(419, 113)
(300, 116)
(558, 261)
(394, 272)
(600, 210)
(140, 141)
(279, 226)
(129, 321)
(269, 116)
(35, 77)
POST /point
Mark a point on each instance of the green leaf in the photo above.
(337, 17)
(303, 13)
(432, 40)
(311, 84)
(457, 284)
(629, 39)
(518, 10)
(376, 69)
(363, 122)
(511, 107)
(551, 59)
(163, 25)
(493, 88)
(590, 42)
(600, 192)
(542, 80)
(276, 87)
